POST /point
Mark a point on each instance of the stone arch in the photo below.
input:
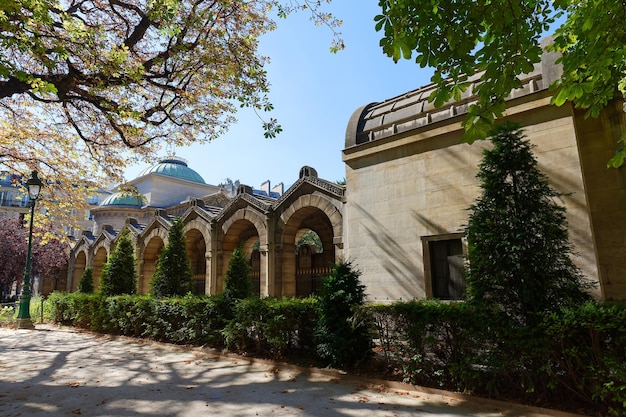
(197, 251)
(250, 228)
(80, 264)
(308, 212)
(251, 216)
(149, 246)
(327, 206)
(159, 232)
(100, 256)
(153, 245)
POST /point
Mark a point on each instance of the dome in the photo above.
(123, 199)
(174, 167)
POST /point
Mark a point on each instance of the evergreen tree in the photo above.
(238, 280)
(337, 340)
(518, 245)
(173, 276)
(85, 285)
(119, 275)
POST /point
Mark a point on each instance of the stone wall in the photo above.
(410, 188)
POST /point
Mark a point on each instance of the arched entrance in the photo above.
(150, 257)
(80, 264)
(251, 248)
(196, 249)
(311, 263)
(244, 232)
(302, 272)
(99, 259)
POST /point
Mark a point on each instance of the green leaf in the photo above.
(380, 22)
(560, 98)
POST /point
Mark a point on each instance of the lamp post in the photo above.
(33, 185)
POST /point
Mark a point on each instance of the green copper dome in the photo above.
(123, 199)
(174, 167)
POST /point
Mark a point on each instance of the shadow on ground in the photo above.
(67, 373)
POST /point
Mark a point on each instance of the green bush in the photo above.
(340, 341)
(579, 350)
(272, 327)
(127, 315)
(119, 275)
(431, 342)
(87, 311)
(588, 354)
(173, 276)
(518, 244)
(85, 284)
(193, 320)
(238, 281)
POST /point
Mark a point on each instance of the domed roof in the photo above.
(123, 199)
(174, 167)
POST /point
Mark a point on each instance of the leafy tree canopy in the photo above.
(458, 38)
(48, 258)
(89, 86)
(312, 239)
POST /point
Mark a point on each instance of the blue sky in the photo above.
(314, 93)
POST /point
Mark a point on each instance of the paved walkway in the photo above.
(60, 372)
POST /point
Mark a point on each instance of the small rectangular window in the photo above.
(444, 266)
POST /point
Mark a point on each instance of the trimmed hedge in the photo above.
(274, 327)
(574, 360)
(580, 351)
(270, 327)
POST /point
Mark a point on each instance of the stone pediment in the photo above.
(158, 222)
(219, 199)
(243, 201)
(309, 185)
(207, 214)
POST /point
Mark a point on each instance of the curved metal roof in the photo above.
(413, 109)
(174, 167)
(123, 199)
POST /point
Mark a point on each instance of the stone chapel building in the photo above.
(401, 215)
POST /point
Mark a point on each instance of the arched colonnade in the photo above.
(269, 230)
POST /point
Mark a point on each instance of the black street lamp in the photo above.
(33, 185)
